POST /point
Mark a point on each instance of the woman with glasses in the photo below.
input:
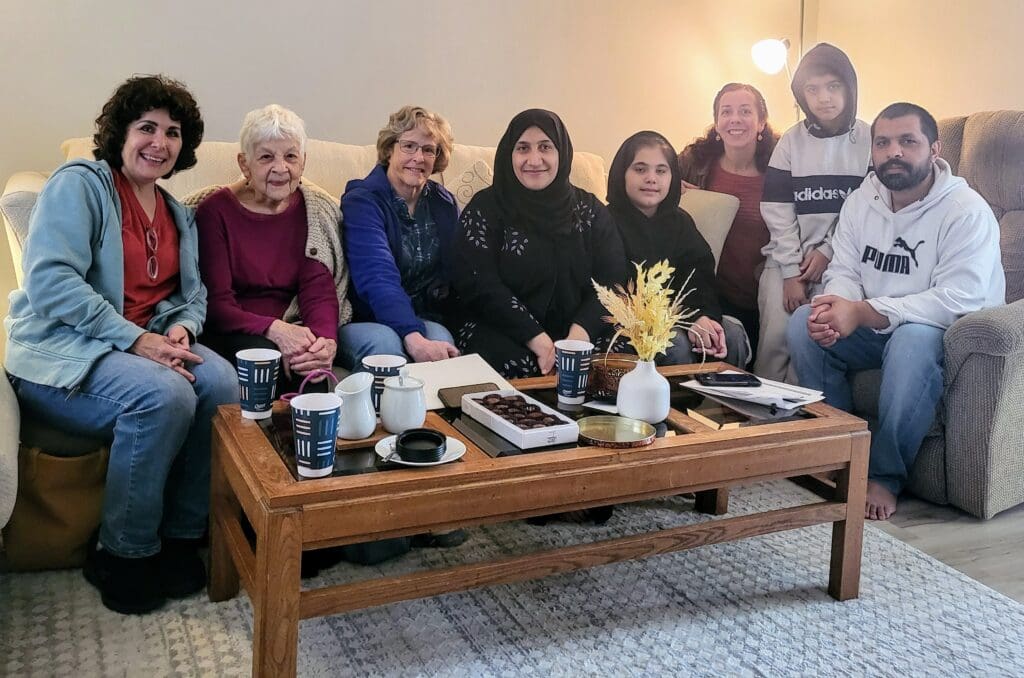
(270, 253)
(101, 340)
(398, 228)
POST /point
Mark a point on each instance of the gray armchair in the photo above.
(973, 458)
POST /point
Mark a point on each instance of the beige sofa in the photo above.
(329, 165)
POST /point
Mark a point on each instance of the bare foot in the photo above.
(879, 503)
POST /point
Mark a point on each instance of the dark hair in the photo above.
(709, 148)
(928, 125)
(136, 96)
(624, 157)
(648, 139)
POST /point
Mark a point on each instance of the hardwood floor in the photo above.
(989, 551)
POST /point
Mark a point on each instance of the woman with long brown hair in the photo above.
(732, 158)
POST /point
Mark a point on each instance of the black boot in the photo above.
(181, 569)
(126, 585)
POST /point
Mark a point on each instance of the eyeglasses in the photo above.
(152, 242)
(410, 148)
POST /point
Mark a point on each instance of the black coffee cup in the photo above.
(421, 445)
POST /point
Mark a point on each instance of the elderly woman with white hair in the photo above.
(270, 252)
(399, 235)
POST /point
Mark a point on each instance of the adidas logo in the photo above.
(820, 193)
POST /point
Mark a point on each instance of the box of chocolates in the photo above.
(520, 419)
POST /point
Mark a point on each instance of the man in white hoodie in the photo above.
(915, 248)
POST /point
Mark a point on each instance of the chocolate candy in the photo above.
(517, 411)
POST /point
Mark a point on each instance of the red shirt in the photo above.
(741, 253)
(254, 264)
(141, 291)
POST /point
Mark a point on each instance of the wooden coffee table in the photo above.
(290, 516)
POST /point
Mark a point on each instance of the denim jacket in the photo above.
(70, 311)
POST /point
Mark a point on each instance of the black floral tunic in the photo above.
(515, 285)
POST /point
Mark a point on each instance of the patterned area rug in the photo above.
(749, 608)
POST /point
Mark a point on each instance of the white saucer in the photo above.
(454, 448)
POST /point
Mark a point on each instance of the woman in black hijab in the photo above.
(643, 198)
(527, 249)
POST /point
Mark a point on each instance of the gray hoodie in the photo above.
(811, 172)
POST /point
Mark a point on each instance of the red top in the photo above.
(146, 284)
(255, 264)
(741, 253)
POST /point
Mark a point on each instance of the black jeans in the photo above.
(751, 320)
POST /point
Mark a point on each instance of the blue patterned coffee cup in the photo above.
(315, 419)
(381, 367)
(572, 358)
(257, 380)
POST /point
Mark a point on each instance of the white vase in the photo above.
(643, 394)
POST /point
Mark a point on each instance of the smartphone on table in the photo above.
(726, 379)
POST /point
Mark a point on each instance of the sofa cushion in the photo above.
(477, 177)
(17, 207)
(1011, 246)
(992, 162)
(10, 423)
(713, 213)
(951, 134)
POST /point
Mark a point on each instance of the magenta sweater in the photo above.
(253, 265)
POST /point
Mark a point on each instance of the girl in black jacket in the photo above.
(643, 198)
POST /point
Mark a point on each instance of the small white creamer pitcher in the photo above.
(358, 420)
(402, 405)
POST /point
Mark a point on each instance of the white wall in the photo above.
(950, 56)
(609, 67)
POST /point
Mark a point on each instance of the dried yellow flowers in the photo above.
(646, 311)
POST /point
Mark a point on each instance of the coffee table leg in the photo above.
(848, 535)
(223, 576)
(714, 502)
(276, 603)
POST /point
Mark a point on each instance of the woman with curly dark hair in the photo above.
(732, 158)
(101, 340)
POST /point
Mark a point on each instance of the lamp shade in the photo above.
(770, 55)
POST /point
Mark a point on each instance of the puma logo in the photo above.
(901, 243)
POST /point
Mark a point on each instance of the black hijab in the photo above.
(546, 213)
(669, 234)
(641, 235)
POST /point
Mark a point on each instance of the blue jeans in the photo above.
(358, 340)
(158, 478)
(736, 343)
(911, 359)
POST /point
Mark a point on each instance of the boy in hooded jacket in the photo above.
(817, 163)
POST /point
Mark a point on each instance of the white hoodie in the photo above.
(930, 263)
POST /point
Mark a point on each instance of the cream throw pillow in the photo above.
(713, 213)
(477, 177)
(10, 424)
